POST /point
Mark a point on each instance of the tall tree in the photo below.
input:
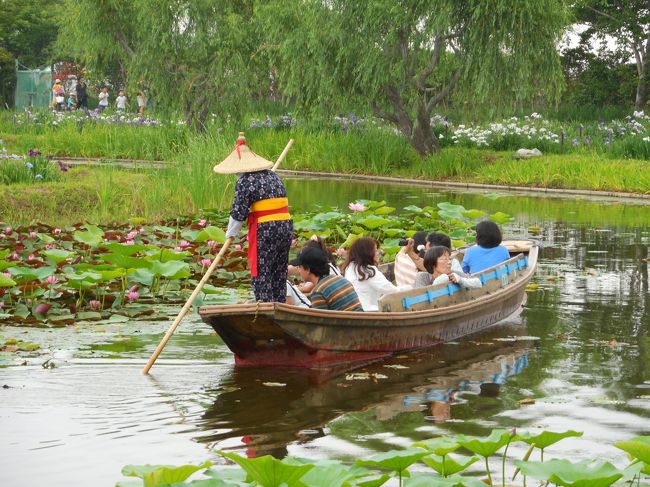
(404, 57)
(195, 55)
(628, 22)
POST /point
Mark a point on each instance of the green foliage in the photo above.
(546, 438)
(565, 473)
(268, 471)
(405, 59)
(638, 447)
(160, 475)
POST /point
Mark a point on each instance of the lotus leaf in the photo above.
(485, 446)
(413, 209)
(21, 310)
(269, 471)
(190, 234)
(6, 281)
(171, 270)
(124, 249)
(395, 460)
(473, 214)
(372, 204)
(142, 276)
(546, 438)
(332, 475)
(393, 232)
(165, 255)
(27, 274)
(446, 465)
(211, 233)
(57, 255)
(4, 253)
(384, 210)
(158, 475)
(126, 262)
(638, 447)
(5, 265)
(45, 238)
(565, 473)
(439, 446)
(91, 239)
(500, 217)
(373, 222)
(449, 211)
(373, 482)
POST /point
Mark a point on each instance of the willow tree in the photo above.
(194, 55)
(404, 57)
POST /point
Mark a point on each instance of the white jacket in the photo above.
(372, 288)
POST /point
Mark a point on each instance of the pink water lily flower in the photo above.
(33, 234)
(237, 247)
(129, 242)
(212, 243)
(357, 207)
(2, 304)
(7, 274)
(51, 280)
(57, 231)
(178, 249)
(15, 256)
(206, 262)
(31, 258)
(202, 223)
(94, 304)
(341, 252)
(131, 235)
(184, 244)
(132, 295)
(8, 230)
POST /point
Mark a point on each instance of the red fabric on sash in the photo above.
(253, 217)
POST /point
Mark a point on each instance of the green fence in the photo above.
(33, 88)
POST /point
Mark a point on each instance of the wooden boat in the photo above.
(278, 334)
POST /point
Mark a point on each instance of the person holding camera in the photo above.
(408, 261)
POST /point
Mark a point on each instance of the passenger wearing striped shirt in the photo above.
(330, 291)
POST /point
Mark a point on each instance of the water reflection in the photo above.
(299, 407)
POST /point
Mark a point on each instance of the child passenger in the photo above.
(437, 262)
(488, 250)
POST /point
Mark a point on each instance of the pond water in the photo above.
(580, 348)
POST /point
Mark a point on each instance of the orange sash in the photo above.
(272, 209)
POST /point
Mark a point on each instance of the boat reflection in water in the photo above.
(262, 411)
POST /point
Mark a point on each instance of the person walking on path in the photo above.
(260, 198)
(82, 95)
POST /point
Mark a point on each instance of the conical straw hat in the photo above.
(242, 159)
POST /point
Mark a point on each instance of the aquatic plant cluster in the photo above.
(30, 168)
(60, 275)
(436, 454)
(53, 118)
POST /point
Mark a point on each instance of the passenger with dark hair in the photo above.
(437, 262)
(488, 250)
(319, 243)
(360, 268)
(329, 291)
(408, 261)
(434, 239)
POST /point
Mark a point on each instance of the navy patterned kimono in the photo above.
(273, 237)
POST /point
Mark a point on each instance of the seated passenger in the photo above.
(408, 261)
(296, 297)
(488, 250)
(434, 239)
(329, 291)
(319, 243)
(360, 268)
(437, 262)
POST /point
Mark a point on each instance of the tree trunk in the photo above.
(422, 138)
(641, 93)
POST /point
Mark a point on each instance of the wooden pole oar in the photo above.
(201, 283)
(282, 156)
(187, 305)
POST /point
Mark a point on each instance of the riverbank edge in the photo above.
(126, 163)
(463, 185)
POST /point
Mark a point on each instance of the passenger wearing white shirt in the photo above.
(360, 268)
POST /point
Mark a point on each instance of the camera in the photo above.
(403, 242)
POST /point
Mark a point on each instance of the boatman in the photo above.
(260, 198)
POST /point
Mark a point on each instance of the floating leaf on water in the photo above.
(273, 384)
(565, 473)
(364, 376)
(162, 474)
